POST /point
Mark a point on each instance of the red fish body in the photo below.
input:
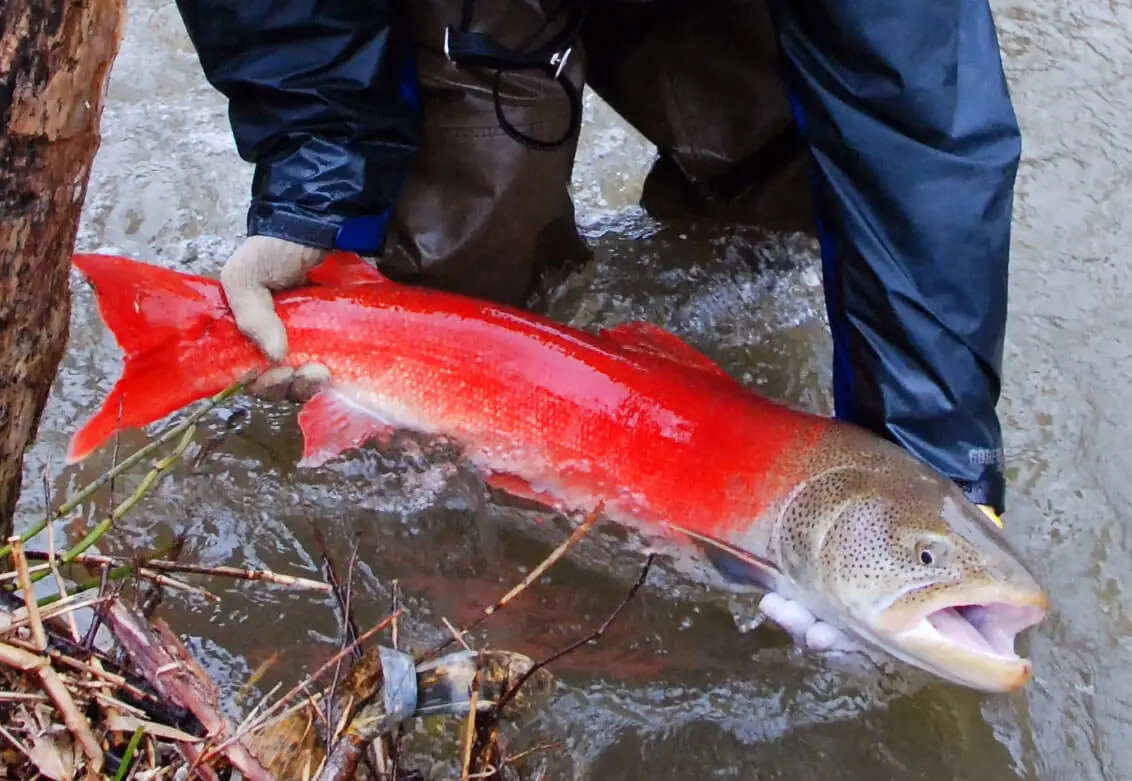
(836, 522)
(632, 416)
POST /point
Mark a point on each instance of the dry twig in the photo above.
(169, 669)
(53, 686)
(39, 637)
(60, 586)
(159, 565)
(536, 573)
(591, 637)
(470, 725)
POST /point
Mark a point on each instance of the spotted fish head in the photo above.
(894, 552)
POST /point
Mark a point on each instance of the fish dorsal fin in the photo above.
(344, 268)
(735, 564)
(331, 425)
(653, 340)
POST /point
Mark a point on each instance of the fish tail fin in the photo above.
(165, 323)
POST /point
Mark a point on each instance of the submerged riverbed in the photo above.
(677, 690)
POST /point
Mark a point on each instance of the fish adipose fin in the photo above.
(735, 564)
(653, 340)
(332, 424)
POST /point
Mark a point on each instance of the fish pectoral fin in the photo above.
(652, 339)
(332, 424)
(733, 563)
(344, 268)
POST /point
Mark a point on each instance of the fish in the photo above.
(630, 419)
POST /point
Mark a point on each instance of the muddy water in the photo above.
(681, 688)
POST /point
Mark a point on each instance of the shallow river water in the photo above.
(679, 688)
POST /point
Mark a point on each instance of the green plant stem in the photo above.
(128, 756)
(185, 428)
(160, 470)
(118, 573)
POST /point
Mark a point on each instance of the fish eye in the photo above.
(929, 552)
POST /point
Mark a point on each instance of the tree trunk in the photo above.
(55, 57)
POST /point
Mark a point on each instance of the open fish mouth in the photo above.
(989, 629)
(967, 638)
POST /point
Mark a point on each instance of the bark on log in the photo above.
(55, 57)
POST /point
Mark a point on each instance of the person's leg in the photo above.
(915, 145)
(481, 213)
(702, 81)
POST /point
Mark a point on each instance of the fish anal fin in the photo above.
(332, 424)
(344, 268)
(519, 488)
(733, 563)
(651, 339)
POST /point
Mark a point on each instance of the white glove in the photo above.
(260, 265)
(806, 630)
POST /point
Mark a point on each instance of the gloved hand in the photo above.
(260, 265)
(807, 630)
(990, 513)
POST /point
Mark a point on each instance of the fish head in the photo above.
(909, 564)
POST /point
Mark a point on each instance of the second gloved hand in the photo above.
(260, 265)
(990, 513)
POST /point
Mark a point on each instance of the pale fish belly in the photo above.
(513, 456)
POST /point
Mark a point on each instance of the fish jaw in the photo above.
(965, 635)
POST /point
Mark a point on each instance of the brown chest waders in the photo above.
(486, 208)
